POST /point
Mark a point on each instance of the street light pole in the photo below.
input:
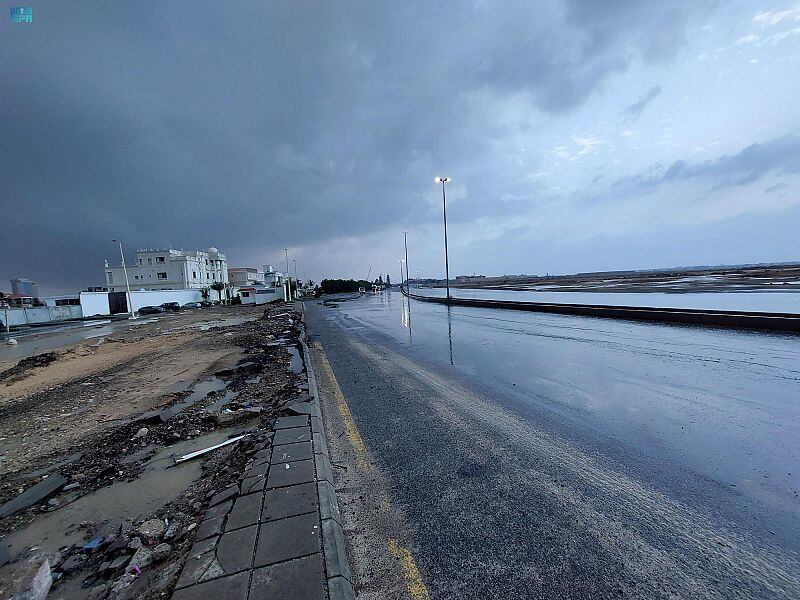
(443, 181)
(401, 261)
(295, 276)
(127, 283)
(288, 277)
(405, 242)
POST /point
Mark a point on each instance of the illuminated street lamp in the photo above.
(127, 283)
(443, 181)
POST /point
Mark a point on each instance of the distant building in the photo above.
(170, 270)
(245, 276)
(273, 278)
(62, 300)
(24, 287)
(468, 278)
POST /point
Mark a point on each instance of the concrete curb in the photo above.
(277, 532)
(337, 567)
(681, 316)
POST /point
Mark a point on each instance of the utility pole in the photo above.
(127, 283)
(443, 181)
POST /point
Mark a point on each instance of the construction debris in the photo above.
(197, 453)
(33, 495)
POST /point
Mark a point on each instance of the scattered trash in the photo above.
(197, 453)
(141, 433)
(93, 544)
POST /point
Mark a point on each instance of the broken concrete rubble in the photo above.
(31, 496)
(152, 529)
(27, 580)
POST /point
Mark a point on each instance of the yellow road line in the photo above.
(349, 424)
(416, 586)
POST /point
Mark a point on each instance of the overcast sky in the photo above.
(581, 135)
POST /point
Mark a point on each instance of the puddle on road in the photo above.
(224, 322)
(295, 363)
(155, 487)
(199, 392)
(217, 405)
(99, 332)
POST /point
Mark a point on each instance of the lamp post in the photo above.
(127, 283)
(401, 261)
(297, 289)
(405, 243)
(443, 181)
(288, 277)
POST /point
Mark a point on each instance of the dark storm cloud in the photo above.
(634, 111)
(778, 156)
(252, 126)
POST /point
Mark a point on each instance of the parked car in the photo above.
(171, 306)
(206, 303)
(193, 305)
(151, 310)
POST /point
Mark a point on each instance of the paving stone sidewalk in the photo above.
(277, 534)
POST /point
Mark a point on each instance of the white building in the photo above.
(170, 270)
(245, 276)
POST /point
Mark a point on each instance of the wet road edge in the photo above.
(337, 566)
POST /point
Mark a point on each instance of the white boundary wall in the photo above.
(96, 303)
(41, 314)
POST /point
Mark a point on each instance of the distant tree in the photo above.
(218, 286)
(310, 283)
(388, 280)
(341, 286)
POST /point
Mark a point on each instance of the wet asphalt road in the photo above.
(551, 456)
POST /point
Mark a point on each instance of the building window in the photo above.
(207, 277)
(68, 302)
(245, 294)
(162, 275)
(110, 277)
(194, 274)
(136, 277)
(149, 261)
(206, 262)
(159, 259)
(140, 261)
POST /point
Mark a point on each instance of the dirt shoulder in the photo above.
(105, 420)
(90, 386)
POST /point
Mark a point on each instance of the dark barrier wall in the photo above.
(688, 316)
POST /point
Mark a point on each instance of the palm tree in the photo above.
(218, 286)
